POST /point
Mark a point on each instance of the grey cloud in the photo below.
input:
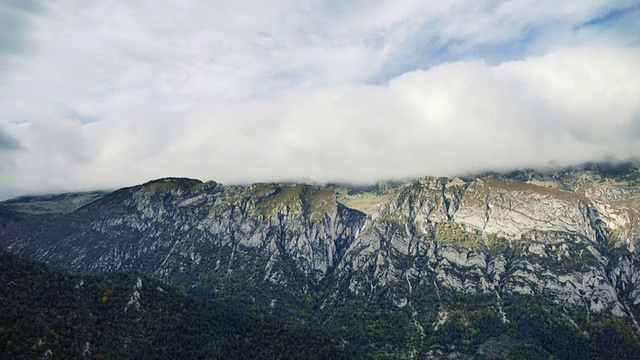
(7, 143)
(14, 24)
(634, 128)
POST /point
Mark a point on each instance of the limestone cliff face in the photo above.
(168, 228)
(510, 209)
(500, 236)
(574, 244)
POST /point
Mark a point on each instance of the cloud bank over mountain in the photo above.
(103, 95)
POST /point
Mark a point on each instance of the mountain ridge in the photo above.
(567, 238)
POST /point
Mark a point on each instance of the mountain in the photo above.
(525, 264)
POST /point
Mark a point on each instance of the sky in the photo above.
(105, 94)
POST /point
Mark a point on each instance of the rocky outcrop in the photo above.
(500, 237)
(175, 226)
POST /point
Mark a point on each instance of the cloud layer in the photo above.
(101, 96)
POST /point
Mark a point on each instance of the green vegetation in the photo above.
(543, 330)
(51, 204)
(452, 233)
(364, 201)
(365, 198)
(164, 184)
(623, 172)
(314, 201)
(48, 312)
(512, 185)
(473, 325)
(318, 202)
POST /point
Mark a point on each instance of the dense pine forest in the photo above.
(48, 313)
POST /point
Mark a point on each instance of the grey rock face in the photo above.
(167, 230)
(499, 236)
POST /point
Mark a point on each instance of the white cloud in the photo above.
(110, 94)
